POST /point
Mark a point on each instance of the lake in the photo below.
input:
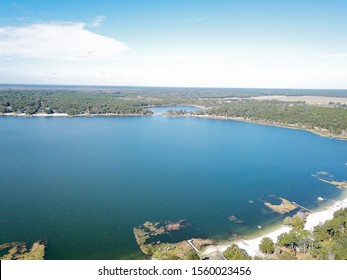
(84, 183)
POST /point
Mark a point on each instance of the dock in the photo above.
(302, 207)
(191, 244)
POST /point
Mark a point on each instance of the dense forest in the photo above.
(333, 119)
(330, 120)
(72, 103)
(328, 241)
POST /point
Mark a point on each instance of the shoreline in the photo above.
(71, 116)
(251, 245)
(320, 133)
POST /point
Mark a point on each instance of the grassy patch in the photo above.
(285, 207)
(19, 251)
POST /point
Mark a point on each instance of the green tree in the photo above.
(330, 230)
(320, 233)
(324, 250)
(287, 256)
(340, 249)
(288, 239)
(341, 213)
(193, 256)
(297, 222)
(235, 253)
(331, 238)
(287, 221)
(266, 245)
(304, 240)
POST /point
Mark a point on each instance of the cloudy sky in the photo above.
(216, 43)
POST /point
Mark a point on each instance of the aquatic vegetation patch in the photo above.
(234, 219)
(325, 177)
(285, 206)
(340, 185)
(151, 229)
(19, 251)
(177, 251)
(167, 251)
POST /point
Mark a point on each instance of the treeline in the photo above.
(75, 102)
(327, 241)
(332, 119)
(185, 92)
(176, 112)
(70, 102)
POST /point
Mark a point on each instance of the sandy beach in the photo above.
(51, 115)
(67, 115)
(35, 115)
(251, 246)
(320, 217)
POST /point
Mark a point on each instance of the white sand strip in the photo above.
(320, 217)
(51, 115)
(252, 245)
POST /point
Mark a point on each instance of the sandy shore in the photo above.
(35, 115)
(320, 217)
(252, 245)
(320, 132)
(51, 115)
(67, 115)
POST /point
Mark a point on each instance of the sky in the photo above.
(216, 43)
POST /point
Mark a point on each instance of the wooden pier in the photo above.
(302, 207)
(191, 244)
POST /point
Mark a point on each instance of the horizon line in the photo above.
(167, 87)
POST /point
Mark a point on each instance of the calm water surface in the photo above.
(84, 183)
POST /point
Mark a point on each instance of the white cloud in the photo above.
(68, 53)
(183, 58)
(336, 55)
(97, 21)
(57, 40)
(62, 73)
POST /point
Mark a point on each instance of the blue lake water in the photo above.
(84, 183)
